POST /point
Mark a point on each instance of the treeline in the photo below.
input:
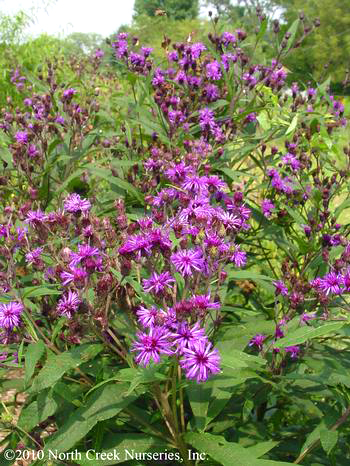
(324, 31)
(324, 25)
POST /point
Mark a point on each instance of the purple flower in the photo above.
(10, 314)
(331, 283)
(230, 221)
(33, 151)
(228, 58)
(35, 217)
(188, 260)
(146, 51)
(197, 49)
(68, 93)
(76, 275)
(136, 244)
(201, 361)
(68, 304)
(212, 92)
(181, 77)
(74, 204)
(152, 345)
(195, 183)
(203, 302)
(290, 159)
(311, 92)
(158, 78)
(21, 137)
(206, 119)
(266, 207)
(148, 317)
(228, 38)
(213, 70)
(280, 288)
(293, 351)
(33, 256)
(99, 53)
(187, 337)
(305, 317)
(59, 119)
(258, 340)
(237, 256)
(157, 283)
(84, 252)
(250, 118)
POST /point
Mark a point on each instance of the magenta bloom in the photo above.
(68, 93)
(84, 252)
(203, 302)
(33, 256)
(35, 217)
(213, 71)
(10, 314)
(206, 119)
(148, 317)
(293, 351)
(258, 340)
(201, 361)
(21, 137)
(152, 345)
(331, 283)
(187, 337)
(157, 283)
(195, 183)
(267, 207)
(280, 288)
(74, 204)
(187, 261)
(237, 256)
(228, 38)
(137, 244)
(69, 304)
(197, 49)
(305, 317)
(76, 275)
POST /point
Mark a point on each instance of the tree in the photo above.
(174, 9)
(329, 44)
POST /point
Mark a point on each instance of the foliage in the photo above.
(174, 253)
(333, 34)
(174, 9)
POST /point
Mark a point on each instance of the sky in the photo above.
(63, 17)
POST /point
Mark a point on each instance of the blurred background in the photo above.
(34, 30)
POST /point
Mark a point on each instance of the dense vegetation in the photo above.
(174, 251)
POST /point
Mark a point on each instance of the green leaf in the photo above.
(236, 359)
(38, 411)
(305, 333)
(292, 31)
(328, 439)
(261, 448)
(34, 291)
(57, 365)
(124, 446)
(262, 30)
(248, 275)
(247, 409)
(199, 395)
(33, 354)
(116, 181)
(105, 403)
(292, 125)
(227, 453)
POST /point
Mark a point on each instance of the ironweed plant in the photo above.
(175, 261)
